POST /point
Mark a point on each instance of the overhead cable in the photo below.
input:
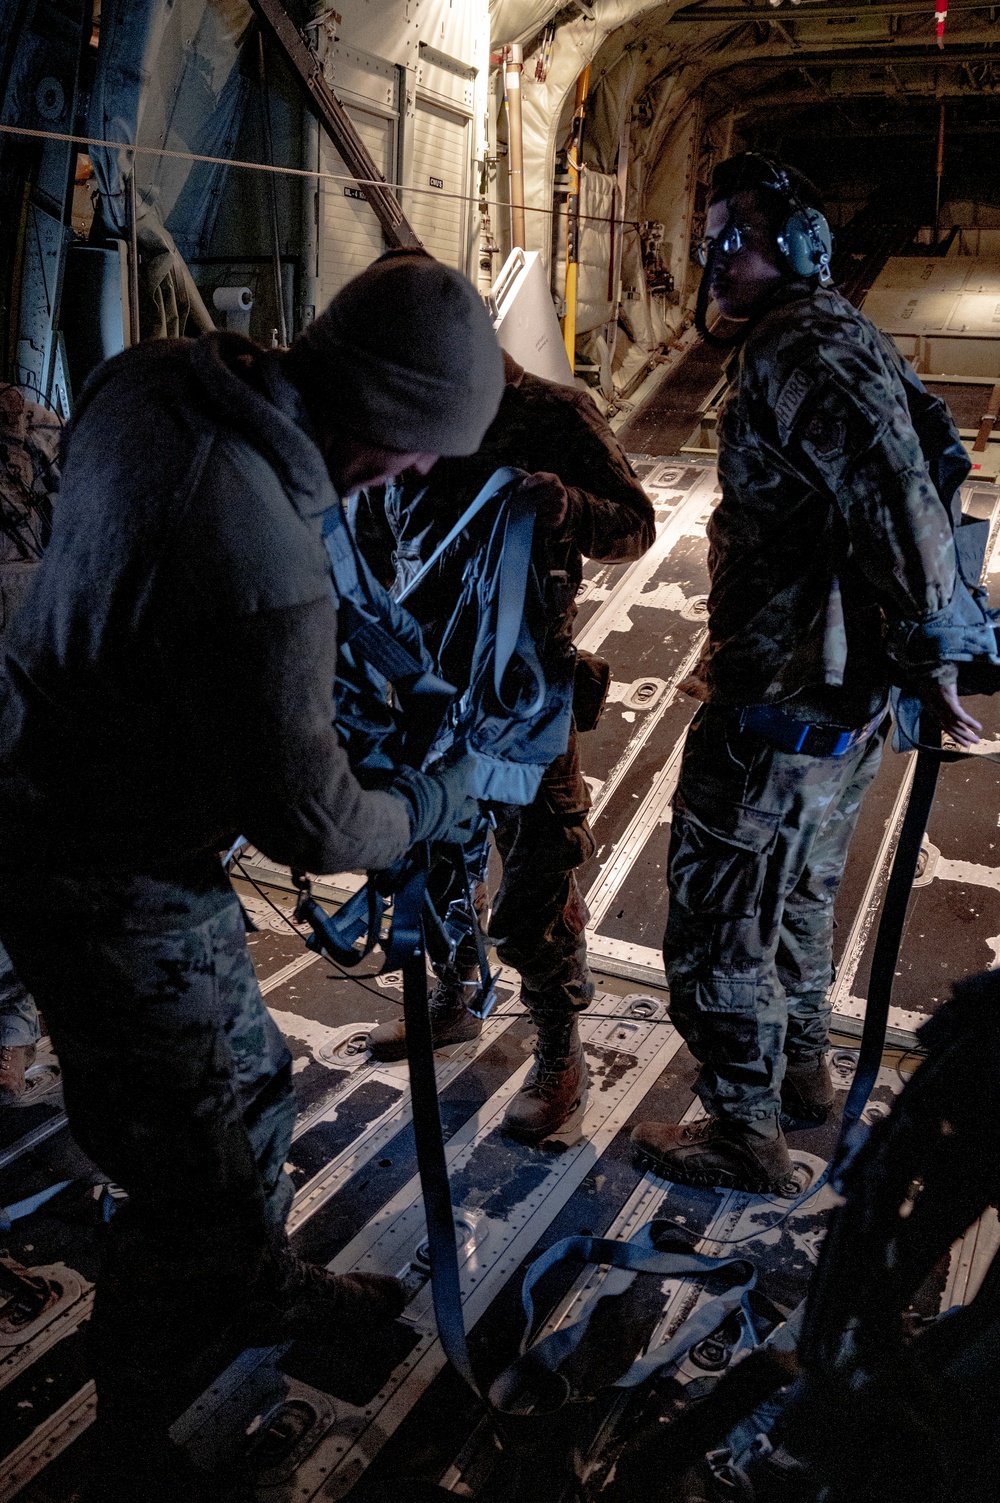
(307, 172)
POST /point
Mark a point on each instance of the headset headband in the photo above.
(780, 181)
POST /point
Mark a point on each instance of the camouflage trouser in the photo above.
(18, 1013)
(757, 853)
(538, 916)
(178, 1086)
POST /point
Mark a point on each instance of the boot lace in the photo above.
(553, 1057)
(448, 998)
(8, 1058)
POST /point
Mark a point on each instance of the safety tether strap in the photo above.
(890, 933)
(446, 1287)
(404, 951)
(518, 1388)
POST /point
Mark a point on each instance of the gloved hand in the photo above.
(550, 497)
(440, 805)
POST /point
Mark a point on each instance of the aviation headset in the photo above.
(804, 242)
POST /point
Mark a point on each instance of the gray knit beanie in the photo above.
(411, 358)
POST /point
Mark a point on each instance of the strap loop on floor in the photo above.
(526, 1386)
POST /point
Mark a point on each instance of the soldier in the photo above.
(166, 687)
(29, 444)
(829, 526)
(589, 503)
(19, 1032)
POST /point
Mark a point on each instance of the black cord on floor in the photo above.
(611, 1017)
(347, 975)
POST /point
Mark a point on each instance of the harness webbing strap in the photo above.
(511, 637)
(357, 622)
(497, 482)
(22, 1208)
(516, 1390)
(390, 657)
(336, 934)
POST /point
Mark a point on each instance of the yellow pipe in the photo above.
(569, 322)
(573, 215)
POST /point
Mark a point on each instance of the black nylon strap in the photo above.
(432, 1165)
(890, 928)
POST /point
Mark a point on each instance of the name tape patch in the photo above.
(791, 397)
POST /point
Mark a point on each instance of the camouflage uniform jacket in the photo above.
(540, 426)
(829, 526)
(29, 477)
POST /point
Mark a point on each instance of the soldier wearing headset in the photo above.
(832, 564)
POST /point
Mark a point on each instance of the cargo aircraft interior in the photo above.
(577, 1325)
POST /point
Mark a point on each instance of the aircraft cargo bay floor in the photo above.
(312, 1426)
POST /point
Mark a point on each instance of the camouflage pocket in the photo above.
(591, 682)
(720, 872)
(729, 1007)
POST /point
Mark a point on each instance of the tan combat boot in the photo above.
(807, 1092)
(306, 1299)
(451, 1020)
(720, 1153)
(556, 1084)
(333, 1306)
(15, 1060)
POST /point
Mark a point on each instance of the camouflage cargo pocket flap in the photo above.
(719, 869)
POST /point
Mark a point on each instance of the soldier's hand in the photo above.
(441, 805)
(944, 704)
(550, 497)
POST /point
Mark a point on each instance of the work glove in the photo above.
(440, 804)
(551, 499)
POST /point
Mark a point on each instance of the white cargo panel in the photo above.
(977, 312)
(931, 273)
(350, 237)
(439, 209)
(904, 310)
(944, 313)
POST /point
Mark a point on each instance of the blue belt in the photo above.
(791, 735)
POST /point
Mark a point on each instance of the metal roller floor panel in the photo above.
(505, 1196)
(365, 1109)
(311, 1425)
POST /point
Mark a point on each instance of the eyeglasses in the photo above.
(732, 239)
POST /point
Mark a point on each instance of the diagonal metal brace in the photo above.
(336, 122)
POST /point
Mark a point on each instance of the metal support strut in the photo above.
(337, 123)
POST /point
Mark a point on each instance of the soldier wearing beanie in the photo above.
(167, 687)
